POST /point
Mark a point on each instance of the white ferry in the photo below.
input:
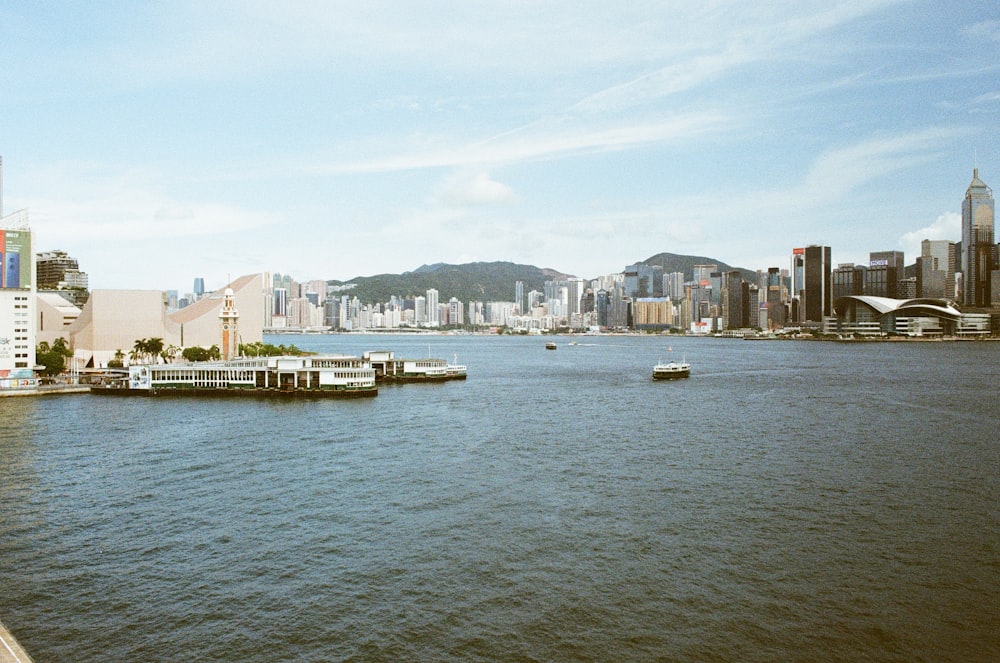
(455, 370)
(387, 367)
(341, 376)
(671, 370)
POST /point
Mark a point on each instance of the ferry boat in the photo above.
(332, 376)
(671, 370)
(455, 370)
(551, 345)
(389, 368)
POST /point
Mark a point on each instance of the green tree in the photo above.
(52, 357)
(118, 361)
(196, 353)
(154, 347)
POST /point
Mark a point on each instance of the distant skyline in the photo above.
(159, 142)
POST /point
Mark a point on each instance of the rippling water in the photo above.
(789, 501)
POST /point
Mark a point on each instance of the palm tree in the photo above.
(138, 351)
(154, 346)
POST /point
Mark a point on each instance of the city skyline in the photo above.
(339, 141)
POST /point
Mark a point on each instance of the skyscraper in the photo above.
(818, 283)
(936, 269)
(433, 317)
(977, 242)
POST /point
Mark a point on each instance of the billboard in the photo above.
(15, 259)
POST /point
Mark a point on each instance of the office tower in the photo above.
(732, 296)
(433, 315)
(936, 269)
(817, 284)
(848, 280)
(885, 269)
(892, 259)
(602, 304)
(419, 310)
(519, 297)
(280, 302)
(199, 287)
(673, 285)
(978, 242)
(574, 293)
(754, 309)
(642, 280)
(775, 299)
(797, 291)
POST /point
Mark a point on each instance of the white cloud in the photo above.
(989, 30)
(947, 226)
(81, 202)
(463, 190)
(539, 141)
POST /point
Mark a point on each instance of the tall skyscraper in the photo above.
(978, 242)
(199, 287)
(433, 315)
(734, 313)
(818, 284)
(775, 299)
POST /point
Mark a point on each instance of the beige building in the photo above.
(114, 320)
(55, 316)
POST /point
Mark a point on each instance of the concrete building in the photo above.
(652, 313)
(55, 316)
(113, 320)
(17, 303)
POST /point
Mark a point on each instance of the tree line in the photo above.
(153, 350)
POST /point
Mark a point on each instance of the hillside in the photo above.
(477, 281)
(493, 281)
(671, 262)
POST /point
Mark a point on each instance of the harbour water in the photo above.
(788, 501)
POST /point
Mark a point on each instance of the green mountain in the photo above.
(492, 281)
(477, 281)
(671, 262)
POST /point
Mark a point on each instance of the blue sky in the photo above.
(157, 142)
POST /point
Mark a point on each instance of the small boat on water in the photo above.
(671, 370)
(550, 345)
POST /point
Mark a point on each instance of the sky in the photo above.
(157, 142)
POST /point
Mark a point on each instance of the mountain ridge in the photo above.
(492, 281)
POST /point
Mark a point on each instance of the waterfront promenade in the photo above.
(10, 651)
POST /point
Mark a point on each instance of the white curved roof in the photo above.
(883, 305)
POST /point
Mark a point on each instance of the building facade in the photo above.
(817, 284)
(978, 243)
(17, 303)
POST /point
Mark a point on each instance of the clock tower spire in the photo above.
(228, 319)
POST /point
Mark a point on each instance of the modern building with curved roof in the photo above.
(879, 316)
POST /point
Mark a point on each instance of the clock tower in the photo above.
(228, 318)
